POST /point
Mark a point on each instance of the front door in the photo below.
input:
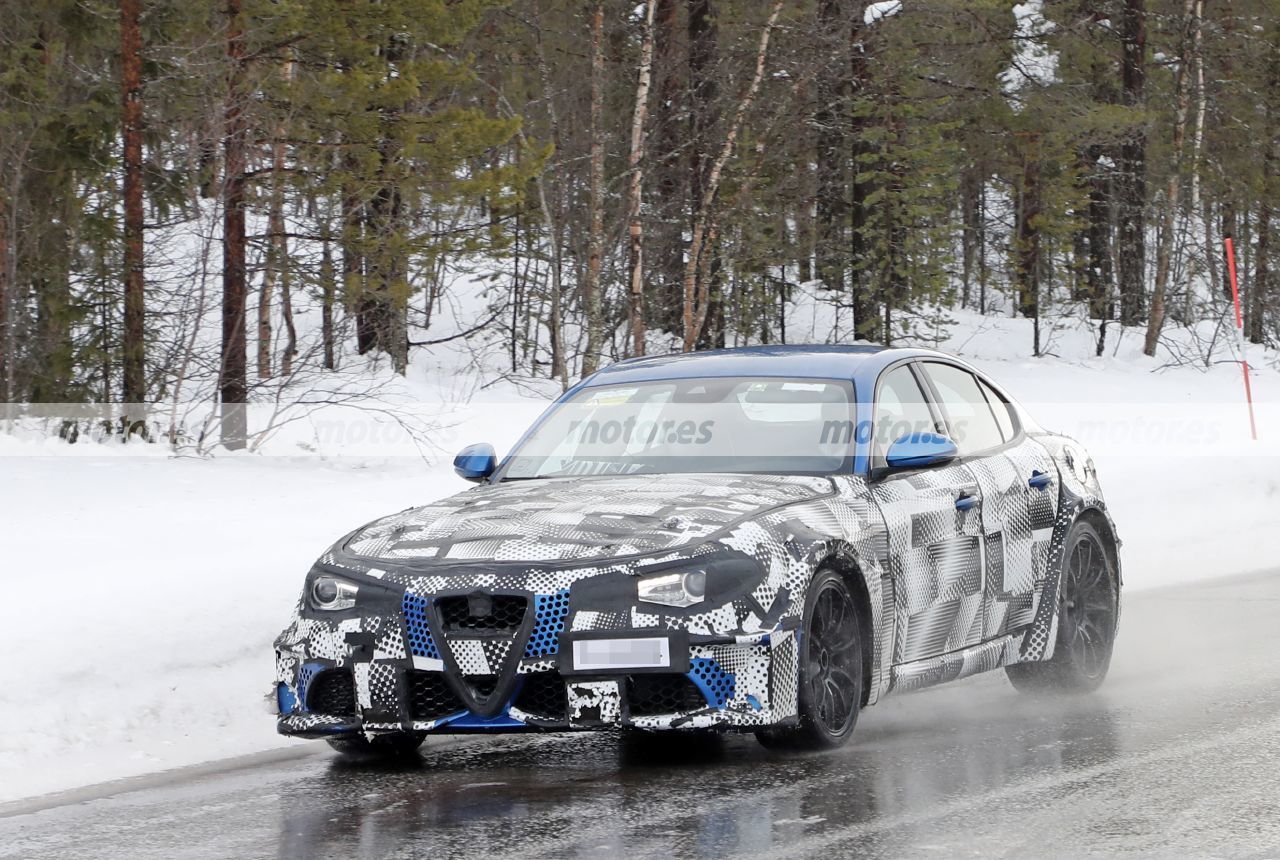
(933, 518)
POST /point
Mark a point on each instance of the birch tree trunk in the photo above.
(635, 186)
(550, 215)
(277, 268)
(273, 260)
(352, 247)
(1172, 191)
(695, 288)
(591, 298)
(280, 251)
(1197, 143)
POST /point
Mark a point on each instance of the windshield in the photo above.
(729, 424)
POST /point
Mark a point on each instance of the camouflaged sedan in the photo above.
(764, 539)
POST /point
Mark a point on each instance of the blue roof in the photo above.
(827, 361)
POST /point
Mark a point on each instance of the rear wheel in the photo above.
(830, 656)
(1088, 603)
(392, 745)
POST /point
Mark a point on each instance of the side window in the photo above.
(974, 428)
(1004, 413)
(901, 408)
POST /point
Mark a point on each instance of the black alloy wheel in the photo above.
(830, 693)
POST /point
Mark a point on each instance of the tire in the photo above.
(1088, 611)
(393, 745)
(830, 670)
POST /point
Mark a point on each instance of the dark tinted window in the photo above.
(901, 408)
(973, 425)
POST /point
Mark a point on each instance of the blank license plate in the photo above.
(601, 654)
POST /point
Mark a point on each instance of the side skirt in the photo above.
(984, 657)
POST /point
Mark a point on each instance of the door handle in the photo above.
(967, 500)
(1039, 480)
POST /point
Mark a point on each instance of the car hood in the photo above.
(578, 519)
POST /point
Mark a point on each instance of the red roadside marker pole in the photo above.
(1244, 362)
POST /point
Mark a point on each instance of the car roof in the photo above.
(825, 361)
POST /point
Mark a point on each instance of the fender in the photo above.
(852, 537)
(1080, 495)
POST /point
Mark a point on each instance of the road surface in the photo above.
(1179, 754)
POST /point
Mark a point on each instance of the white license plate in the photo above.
(650, 652)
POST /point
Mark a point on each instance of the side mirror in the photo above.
(921, 450)
(475, 462)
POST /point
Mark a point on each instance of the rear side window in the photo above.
(1003, 413)
(973, 425)
(901, 409)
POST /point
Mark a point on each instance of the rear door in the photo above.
(933, 525)
(1017, 481)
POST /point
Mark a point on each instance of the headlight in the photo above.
(329, 594)
(673, 589)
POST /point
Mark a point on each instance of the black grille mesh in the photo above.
(430, 697)
(505, 612)
(662, 693)
(332, 692)
(543, 695)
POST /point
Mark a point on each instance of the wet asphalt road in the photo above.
(1179, 754)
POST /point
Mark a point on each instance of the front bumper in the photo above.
(708, 696)
(409, 662)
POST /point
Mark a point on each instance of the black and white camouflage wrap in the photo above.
(947, 593)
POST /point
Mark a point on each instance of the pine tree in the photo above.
(58, 110)
(905, 152)
(384, 122)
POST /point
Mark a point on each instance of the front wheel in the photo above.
(830, 657)
(1088, 609)
(392, 745)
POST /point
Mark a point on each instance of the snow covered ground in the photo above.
(142, 591)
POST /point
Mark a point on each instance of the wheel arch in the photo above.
(1097, 516)
(844, 564)
(1040, 640)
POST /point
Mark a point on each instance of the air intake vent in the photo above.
(496, 613)
(658, 694)
(430, 697)
(542, 695)
(333, 693)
